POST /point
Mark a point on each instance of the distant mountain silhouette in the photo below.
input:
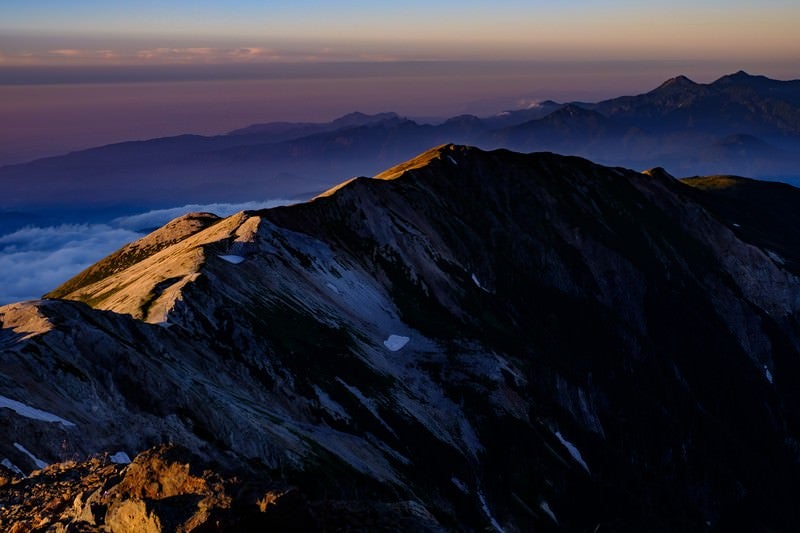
(739, 124)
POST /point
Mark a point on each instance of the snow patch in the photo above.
(11, 466)
(31, 412)
(544, 506)
(235, 259)
(396, 342)
(332, 287)
(120, 458)
(450, 157)
(478, 283)
(775, 257)
(460, 485)
(38, 462)
(330, 405)
(488, 513)
(573, 451)
(767, 374)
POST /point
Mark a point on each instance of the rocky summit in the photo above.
(468, 341)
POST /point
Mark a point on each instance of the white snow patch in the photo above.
(460, 485)
(488, 513)
(396, 342)
(332, 287)
(31, 412)
(450, 157)
(120, 458)
(38, 462)
(767, 374)
(544, 506)
(478, 283)
(11, 466)
(235, 259)
(573, 451)
(775, 257)
(330, 405)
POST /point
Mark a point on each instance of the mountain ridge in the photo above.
(676, 126)
(506, 340)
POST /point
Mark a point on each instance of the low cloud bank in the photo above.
(36, 260)
(159, 217)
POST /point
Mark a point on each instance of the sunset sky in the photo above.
(77, 73)
(122, 32)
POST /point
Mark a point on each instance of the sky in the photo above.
(79, 73)
(81, 31)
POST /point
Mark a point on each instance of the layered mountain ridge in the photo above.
(683, 126)
(484, 339)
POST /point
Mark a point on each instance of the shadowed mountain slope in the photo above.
(490, 339)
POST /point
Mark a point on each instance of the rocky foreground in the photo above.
(167, 489)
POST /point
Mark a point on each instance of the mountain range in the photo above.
(740, 124)
(470, 340)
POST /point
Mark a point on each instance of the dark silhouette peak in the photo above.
(572, 110)
(357, 118)
(742, 78)
(658, 172)
(677, 82)
(463, 119)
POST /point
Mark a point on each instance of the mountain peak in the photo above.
(658, 172)
(677, 82)
(445, 152)
(357, 118)
(741, 78)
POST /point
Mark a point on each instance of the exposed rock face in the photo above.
(469, 340)
(162, 490)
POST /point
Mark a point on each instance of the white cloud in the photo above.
(208, 55)
(35, 260)
(159, 217)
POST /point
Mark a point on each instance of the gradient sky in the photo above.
(75, 73)
(100, 31)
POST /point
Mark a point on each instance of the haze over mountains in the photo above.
(470, 340)
(741, 124)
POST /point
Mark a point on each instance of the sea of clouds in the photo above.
(35, 260)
